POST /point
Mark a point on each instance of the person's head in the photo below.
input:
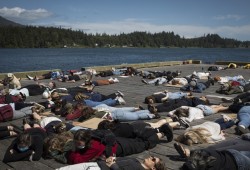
(217, 78)
(56, 143)
(52, 85)
(10, 76)
(60, 128)
(55, 95)
(194, 136)
(181, 112)
(149, 100)
(198, 160)
(105, 124)
(82, 139)
(175, 82)
(154, 163)
(205, 99)
(23, 142)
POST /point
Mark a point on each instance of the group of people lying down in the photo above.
(46, 136)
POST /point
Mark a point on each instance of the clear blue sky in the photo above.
(188, 18)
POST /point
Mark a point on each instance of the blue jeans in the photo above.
(176, 95)
(109, 102)
(242, 158)
(207, 110)
(223, 124)
(126, 115)
(244, 116)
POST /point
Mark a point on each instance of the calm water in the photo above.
(16, 60)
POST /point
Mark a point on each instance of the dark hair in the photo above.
(60, 127)
(83, 135)
(148, 98)
(160, 165)
(199, 160)
(106, 124)
(180, 112)
(24, 139)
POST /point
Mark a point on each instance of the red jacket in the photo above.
(96, 150)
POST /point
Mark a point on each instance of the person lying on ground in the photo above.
(90, 149)
(199, 75)
(160, 97)
(53, 75)
(156, 81)
(28, 146)
(127, 163)
(75, 77)
(14, 111)
(189, 113)
(35, 89)
(233, 87)
(207, 132)
(137, 128)
(101, 82)
(174, 104)
(197, 87)
(125, 113)
(238, 78)
(155, 74)
(178, 81)
(9, 98)
(231, 154)
(241, 98)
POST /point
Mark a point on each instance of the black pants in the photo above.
(244, 97)
(172, 105)
(4, 132)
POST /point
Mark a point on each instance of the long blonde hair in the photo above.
(57, 142)
(194, 136)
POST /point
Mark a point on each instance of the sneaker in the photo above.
(243, 129)
(120, 93)
(167, 130)
(111, 79)
(29, 77)
(157, 83)
(144, 81)
(115, 80)
(226, 118)
(120, 100)
(183, 123)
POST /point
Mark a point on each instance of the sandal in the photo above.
(179, 148)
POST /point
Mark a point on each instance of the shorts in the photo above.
(207, 110)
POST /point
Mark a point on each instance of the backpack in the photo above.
(6, 113)
(106, 137)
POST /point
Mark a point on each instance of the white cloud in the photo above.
(131, 25)
(229, 16)
(18, 13)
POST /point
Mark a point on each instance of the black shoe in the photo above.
(141, 108)
(183, 123)
(157, 83)
(157, 116)
(167, 130)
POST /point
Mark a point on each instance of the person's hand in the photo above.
(11, 151)
(110, 161)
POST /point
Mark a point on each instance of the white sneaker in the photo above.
(111, 79)
(29, 77)
(120, 100)
(120, 93)
(115, 80)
